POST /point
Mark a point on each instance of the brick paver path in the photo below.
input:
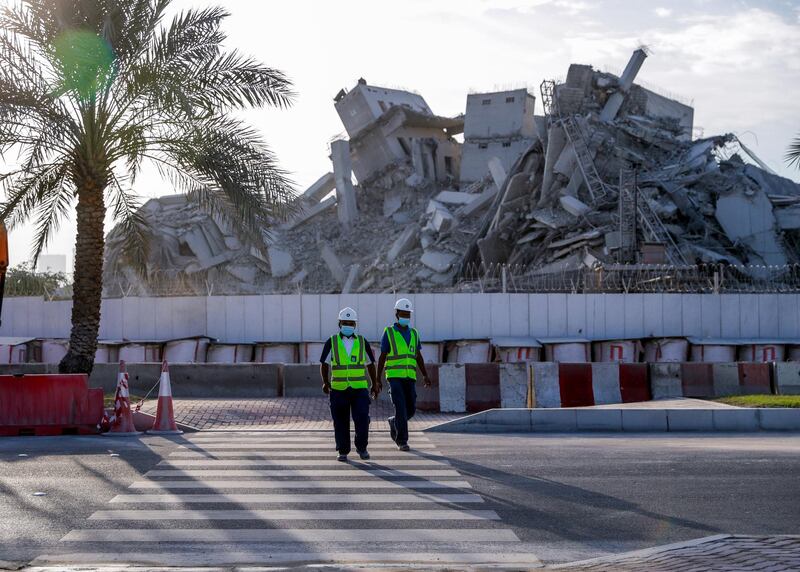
(716, 554)
(280, 413)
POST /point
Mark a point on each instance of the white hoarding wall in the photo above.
(295, 318)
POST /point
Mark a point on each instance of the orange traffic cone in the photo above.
(122, 419)
(165, 417)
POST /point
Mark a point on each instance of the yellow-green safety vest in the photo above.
(348, 370)
(402, 359)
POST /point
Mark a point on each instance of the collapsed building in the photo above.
(610, 175)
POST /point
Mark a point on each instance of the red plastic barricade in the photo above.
(697, 379)
(755, 378)
(575, 383)
(482, 386)
(49, 405)
(428, 397)
(634, 382)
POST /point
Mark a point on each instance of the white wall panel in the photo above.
(768, 316)
(273, 319)
(518, 318)
(672, 314)
(576, 315)
(789, 316)
(234, 318)
(462, 316)
(253, 319)
(499, 321)
(290, 311)
(729, 315)
(653, 315)
(692, 319)
(748, 315)
(311, 317)
(614, 316)
(443, 316)
(557, 315)
(538, 315)
(711, 316)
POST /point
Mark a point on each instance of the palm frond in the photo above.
(793, 153)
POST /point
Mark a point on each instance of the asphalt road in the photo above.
(565, 497)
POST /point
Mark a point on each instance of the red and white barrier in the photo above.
(705, 380)
(583, 384)
(122, 420)
(164, 423)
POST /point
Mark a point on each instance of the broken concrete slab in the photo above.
(332, 262)
(482, 201)
(281, 262)
(392, 202)
(455, 198)
(299, 277)
(583, 237)
(747, 217)
(438, 261)
(553, 218)
(788, 218)
(574, 207)
(407, 240)
(494, 249)
(310, 212)
(324, 185)
(352, 278)
(441, 220)
(498, 172)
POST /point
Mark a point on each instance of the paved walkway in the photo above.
(722, 553)
(676, 403)
(283, 499)
(280, 413)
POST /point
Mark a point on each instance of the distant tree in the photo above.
(21, 280)
(90, 90)
(793, 154)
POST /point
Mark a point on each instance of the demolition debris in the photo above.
(609, 176)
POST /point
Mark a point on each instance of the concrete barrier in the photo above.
(756, 378)
(546, 387)
(428, 398)
(779, 419)
(513, 385)
(665, 380)
(787, 378)
(575, 384)
(634, 382)
(301, 380)
(725, 379)
(452, 388)
(482, 386)
(605, 383)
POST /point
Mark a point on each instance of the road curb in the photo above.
(632, 420)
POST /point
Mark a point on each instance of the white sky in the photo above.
(739, 61)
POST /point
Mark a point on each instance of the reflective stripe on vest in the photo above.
(402, 358)
(348, 370)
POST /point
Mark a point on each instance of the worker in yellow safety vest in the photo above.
(347, 381)
(400, 358)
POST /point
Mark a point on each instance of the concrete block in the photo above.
(557, 420)
(455, 198)
(280, 262)
(517, 420)
(310, 212)
(605, 383)
(787, 378)
(665, 380)
(779, 419)
(513, 385)
(574, 207)
(644, 420)
(546, 388)
(690, 419)
(735, 419)
(302, 380)
(407, 240)
(438, 261)
(452, 388)
(599, 419)
(352, 278)
(347, 208)
(726, 379)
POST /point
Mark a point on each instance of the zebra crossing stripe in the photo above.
(213, 463)
(285, 454)
(194, 473)
(299, 498)
(293, 535)
(313, 484)
(524, 560)
(276, 515)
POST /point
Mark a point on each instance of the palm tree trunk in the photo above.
(88, 281)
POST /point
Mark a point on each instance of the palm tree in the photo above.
(90, 90)
(793, 154)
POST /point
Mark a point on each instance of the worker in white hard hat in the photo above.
(347, 381)
(400, 358)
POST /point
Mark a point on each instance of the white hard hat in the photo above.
(348, 314)
(403, 304)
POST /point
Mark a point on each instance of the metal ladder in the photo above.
(548, 91)
(655, 231)
(628, 217)
(596, 186)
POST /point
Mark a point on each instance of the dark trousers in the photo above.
(345, 403)
(404, 399)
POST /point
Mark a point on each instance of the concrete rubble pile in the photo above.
(618, 179)
(188, 251)
(610, 175)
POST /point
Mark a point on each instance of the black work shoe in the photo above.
(404, 447)
(392, 430)
(342, 458)
(364, 455)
